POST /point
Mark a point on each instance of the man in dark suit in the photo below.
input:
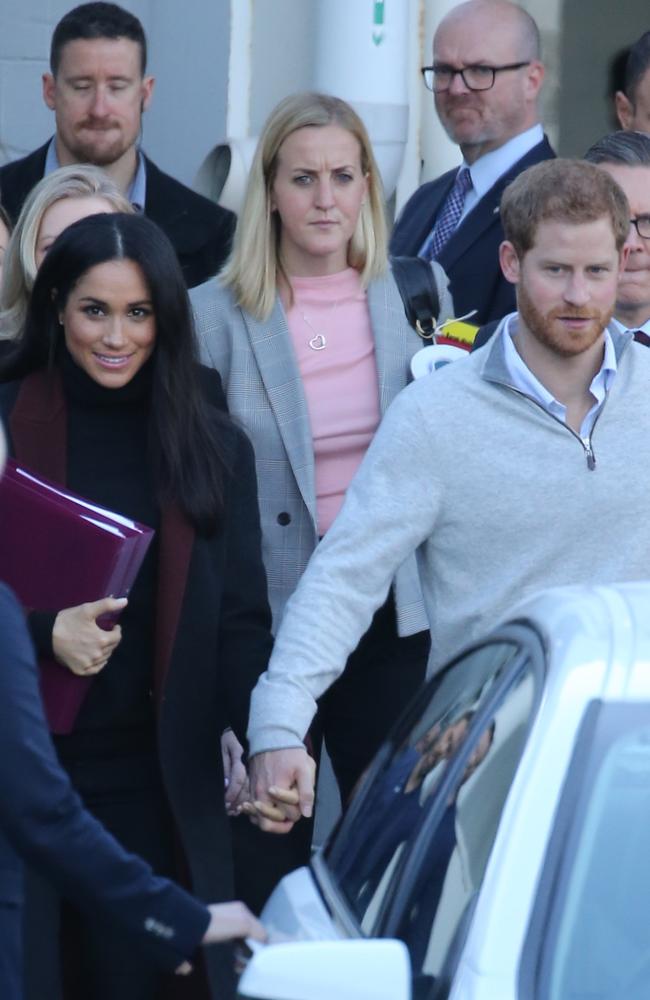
(486, 78)
(98, 91)
(633, 100)
(43, 822)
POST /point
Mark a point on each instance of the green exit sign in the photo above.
(378, 16)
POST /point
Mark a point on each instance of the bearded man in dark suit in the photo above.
(98, 90)
(486, 79)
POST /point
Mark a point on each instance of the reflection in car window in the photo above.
(456, 851)
(601, 908)
(366, 852)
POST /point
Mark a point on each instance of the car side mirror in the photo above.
(359, 969)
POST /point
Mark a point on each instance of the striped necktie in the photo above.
(449, 216)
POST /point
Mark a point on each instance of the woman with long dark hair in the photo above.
(106, 374)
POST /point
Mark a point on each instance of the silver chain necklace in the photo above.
(319, 341)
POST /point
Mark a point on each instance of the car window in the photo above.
(451, 858)
(593, 930)
(391, 807)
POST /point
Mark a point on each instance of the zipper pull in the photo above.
(591, 458)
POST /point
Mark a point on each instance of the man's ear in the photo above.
(49, 90)
(624, 109)
(147, 92)
(534, 79)
(509, 261)
(622, 259)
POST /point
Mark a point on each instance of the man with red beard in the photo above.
(522, 466)
(486, 78)
(98, 89)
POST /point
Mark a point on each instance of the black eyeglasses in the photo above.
(642, 226)
(438, 77)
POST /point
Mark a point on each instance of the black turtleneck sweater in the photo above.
(107, 462)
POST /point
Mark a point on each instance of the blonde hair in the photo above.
(254, 267)
(19, 270)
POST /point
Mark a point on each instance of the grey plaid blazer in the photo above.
(260, 375)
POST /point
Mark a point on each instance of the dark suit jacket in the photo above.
(212, 629)
(200, 231)
(43, 822)
(470, 257)
(484, 334)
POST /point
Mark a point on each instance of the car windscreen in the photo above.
(589, 934)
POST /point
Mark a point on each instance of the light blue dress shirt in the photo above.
(136, 194)
(523, 379)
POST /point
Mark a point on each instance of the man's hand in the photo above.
(282, 788)
(78, 641)
(234, 771)
(228, 921)
(232, 920)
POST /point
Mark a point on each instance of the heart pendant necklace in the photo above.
(319, 341)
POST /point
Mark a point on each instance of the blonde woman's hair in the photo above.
(19, 270)
(254, 267)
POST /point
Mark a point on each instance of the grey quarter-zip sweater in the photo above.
(498, 498)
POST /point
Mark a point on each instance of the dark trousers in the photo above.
(357, 712)
(90, 956)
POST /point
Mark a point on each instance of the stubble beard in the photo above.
(543, 327)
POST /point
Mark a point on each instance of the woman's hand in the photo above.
(234, 772)
(78, 641)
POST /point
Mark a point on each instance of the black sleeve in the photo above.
(43, 819)
(484, 333)
(40, 625)
(245, 626)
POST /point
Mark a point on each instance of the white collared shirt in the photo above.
(523, 379)
(485, 172)
(645, 327)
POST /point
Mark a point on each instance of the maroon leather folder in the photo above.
(58, 550)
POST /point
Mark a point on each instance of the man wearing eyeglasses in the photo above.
(486, 78)
(626, 157)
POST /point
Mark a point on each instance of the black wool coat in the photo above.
(200, 231)
(212, 629)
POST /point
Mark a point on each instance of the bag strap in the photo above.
(417, 287)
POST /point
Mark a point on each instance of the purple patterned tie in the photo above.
(449, 216)
(642, 338)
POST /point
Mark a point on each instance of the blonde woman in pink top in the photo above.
(307, 328)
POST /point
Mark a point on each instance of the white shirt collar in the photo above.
(645, 327)
(488, 168)
(522, 377)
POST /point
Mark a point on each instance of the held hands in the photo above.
(282, 788)
(234, 771)
(78, 641)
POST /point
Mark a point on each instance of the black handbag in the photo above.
(417, 287)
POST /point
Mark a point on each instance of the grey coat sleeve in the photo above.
(348, 576)
(446, 310)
